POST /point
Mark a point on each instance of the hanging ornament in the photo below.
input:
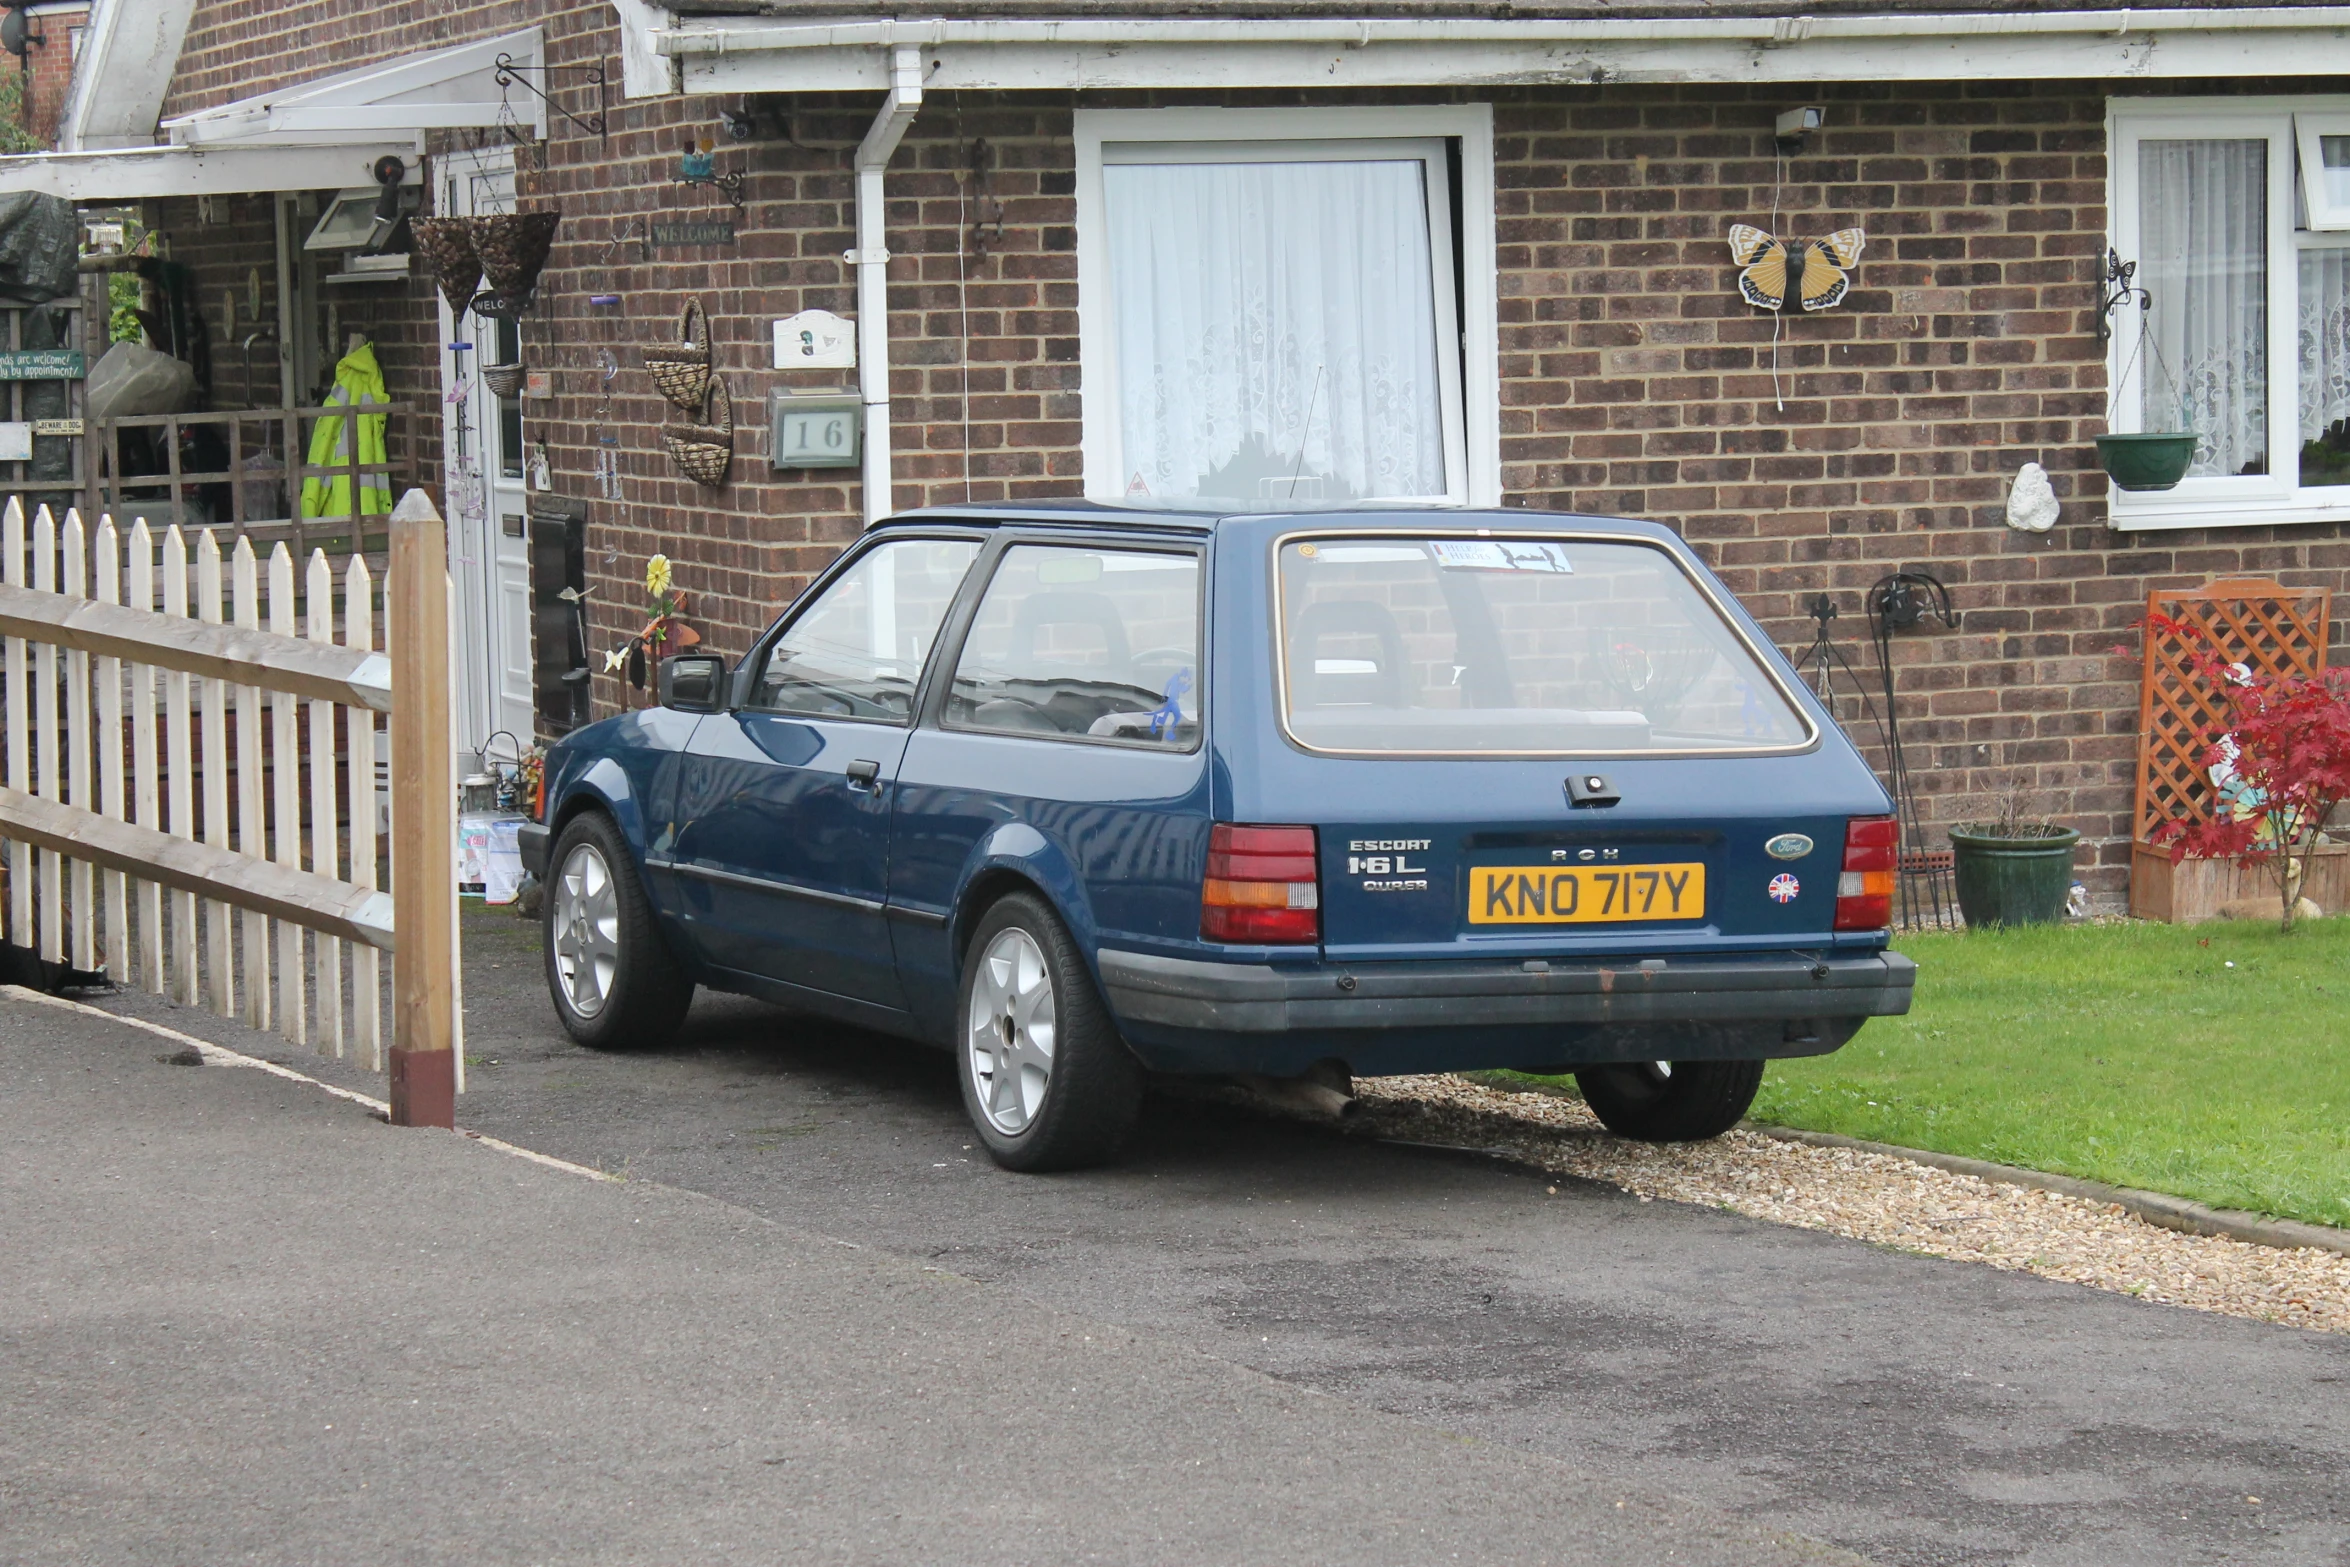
(1812, 269)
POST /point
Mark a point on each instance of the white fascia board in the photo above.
(754, 56)
(644, 71)
(451, 88)
(144, 173)
(130, 48)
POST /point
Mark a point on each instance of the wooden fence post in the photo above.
(424, 821)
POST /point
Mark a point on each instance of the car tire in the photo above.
(1670, 1101)
(1047, 1081)
(613, 979)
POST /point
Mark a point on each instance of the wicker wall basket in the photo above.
(704, 451)
(447, 247)
(504, 380)
(682, 369)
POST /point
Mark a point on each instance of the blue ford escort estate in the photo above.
(1084, 792)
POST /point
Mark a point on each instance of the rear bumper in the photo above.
(1186, 1015)
(533, 837)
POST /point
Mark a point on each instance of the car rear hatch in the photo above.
(1545, 744)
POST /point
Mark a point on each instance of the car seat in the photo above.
(1351, 622)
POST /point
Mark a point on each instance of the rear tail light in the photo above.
(1864, 893)
(1264, 885)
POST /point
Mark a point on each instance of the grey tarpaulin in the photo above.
(40, 240)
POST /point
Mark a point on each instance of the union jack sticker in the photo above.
(1784, 888)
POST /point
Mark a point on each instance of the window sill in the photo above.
(2141, 513)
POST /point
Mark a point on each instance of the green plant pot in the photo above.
(2146, 462)
(2012, 881)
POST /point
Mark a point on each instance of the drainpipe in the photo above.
(871, 259)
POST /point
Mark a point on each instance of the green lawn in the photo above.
(2130, 1053)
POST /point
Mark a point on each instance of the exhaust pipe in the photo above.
(1325, 1094)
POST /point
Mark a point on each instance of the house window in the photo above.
(2237, 212)
(1287, 304)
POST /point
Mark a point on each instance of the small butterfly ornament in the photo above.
(1814, 266)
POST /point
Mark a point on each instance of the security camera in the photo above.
(1795, 125)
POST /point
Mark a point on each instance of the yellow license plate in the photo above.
(1584, 894)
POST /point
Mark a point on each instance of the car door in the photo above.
(1068, 742)
(780, 846)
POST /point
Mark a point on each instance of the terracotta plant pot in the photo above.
(2147, 462)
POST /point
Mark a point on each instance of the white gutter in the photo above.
(735, 54)
(1775, 32)
(871, 259)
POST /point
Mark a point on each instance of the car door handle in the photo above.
(864, 774)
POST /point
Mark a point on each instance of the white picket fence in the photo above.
(271, 792)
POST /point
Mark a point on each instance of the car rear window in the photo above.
(1515, 646)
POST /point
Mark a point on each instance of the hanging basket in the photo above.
(513, 247)
(703, 452)
(504, 380)
(447, 246)
(682, 369)
(2147, 462)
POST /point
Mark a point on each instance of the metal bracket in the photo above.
(729, 185)
(509, 74)
(2117, 284)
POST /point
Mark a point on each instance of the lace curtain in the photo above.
(2325, 340)
(1265, 311)
(2203, 233)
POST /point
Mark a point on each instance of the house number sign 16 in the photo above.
(814, 429)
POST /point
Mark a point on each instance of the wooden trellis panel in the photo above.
(2265, 625)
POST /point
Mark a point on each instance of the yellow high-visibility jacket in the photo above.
(358, 379)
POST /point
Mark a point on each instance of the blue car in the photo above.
(1083, 793)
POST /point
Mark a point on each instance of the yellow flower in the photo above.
(657, 575)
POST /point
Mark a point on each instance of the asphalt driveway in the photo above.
(1909, 1409)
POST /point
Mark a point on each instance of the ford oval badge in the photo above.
(1788, 846)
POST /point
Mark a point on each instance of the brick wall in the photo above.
(1634, 380)
(49, 69)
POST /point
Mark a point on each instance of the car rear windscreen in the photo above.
(1515, 646)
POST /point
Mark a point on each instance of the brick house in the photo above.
(1085, 217)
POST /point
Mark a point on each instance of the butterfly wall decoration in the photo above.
(1812, 269)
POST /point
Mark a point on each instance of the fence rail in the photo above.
(182, 808)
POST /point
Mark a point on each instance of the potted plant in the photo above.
(2150, 461)
(2279, 764)
(2014, 868)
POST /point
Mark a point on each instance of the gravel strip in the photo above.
(1878, 1197)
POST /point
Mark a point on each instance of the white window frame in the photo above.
(2261, 500)
(2325, 215)
(1472, 412)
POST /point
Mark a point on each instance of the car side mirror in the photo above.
(693, 682)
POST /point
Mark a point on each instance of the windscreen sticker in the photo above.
(1501, 555)
(1169, 714)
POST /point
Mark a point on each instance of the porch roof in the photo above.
(324, 133)
(141, 173)
(456, 87)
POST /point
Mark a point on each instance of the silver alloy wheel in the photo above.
(586, 929)
(1010, 1030)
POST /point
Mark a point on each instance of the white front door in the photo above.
(489, 510)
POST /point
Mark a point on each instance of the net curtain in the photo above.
(2204, 232)
(1268, 310)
